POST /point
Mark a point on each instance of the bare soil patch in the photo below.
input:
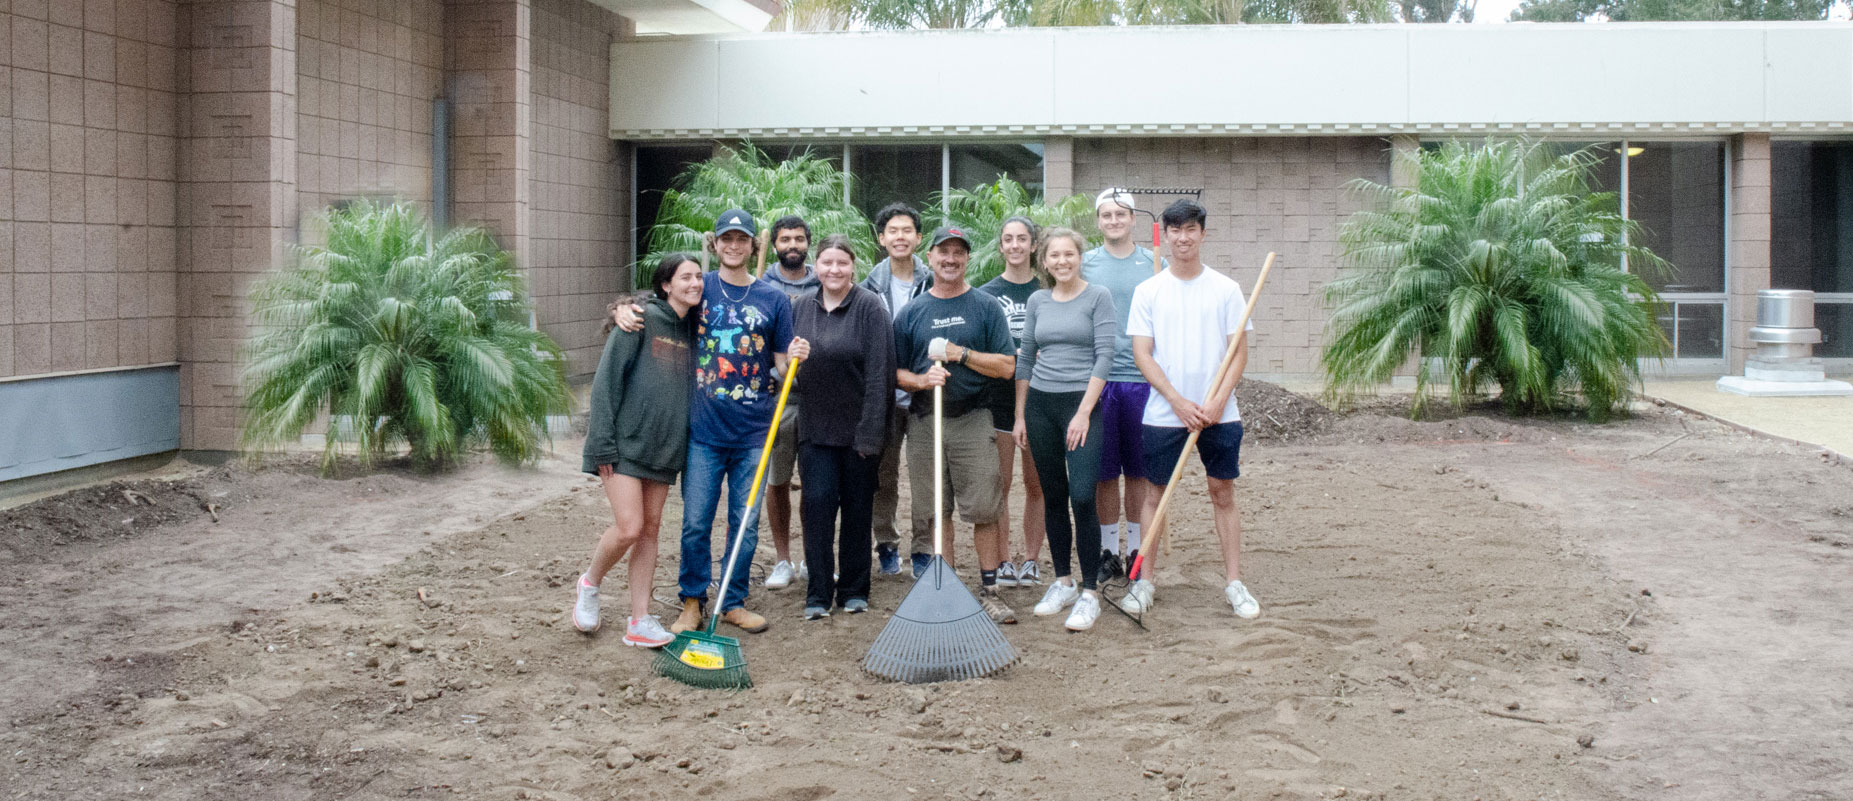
(1469, 607)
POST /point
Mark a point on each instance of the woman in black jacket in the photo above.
(848, 385)
(637, 440)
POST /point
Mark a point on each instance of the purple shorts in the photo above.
(1122, 417)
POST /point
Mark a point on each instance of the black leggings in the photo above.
(1068, 479)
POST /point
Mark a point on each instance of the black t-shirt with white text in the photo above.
(1013, 298)
(974, 320)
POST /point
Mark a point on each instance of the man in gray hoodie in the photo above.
(897, 279)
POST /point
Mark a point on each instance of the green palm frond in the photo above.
(1504, 270)
(746, 178)
(982, 211)
(404, 339)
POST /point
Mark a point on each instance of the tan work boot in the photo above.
(690, 617)
(752, 622)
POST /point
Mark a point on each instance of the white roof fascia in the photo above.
(1556, 80)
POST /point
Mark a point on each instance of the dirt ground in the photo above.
(1471, 608)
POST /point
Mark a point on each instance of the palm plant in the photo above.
(746, 178)
(1501, 265)
(406, 339)
(982, 211)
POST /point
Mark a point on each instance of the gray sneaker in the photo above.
(1006, 574)
(994, 606)
(1028, 574)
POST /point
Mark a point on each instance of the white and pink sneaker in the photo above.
(646, 632)
(585, 612)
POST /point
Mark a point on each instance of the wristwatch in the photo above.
(965, 353)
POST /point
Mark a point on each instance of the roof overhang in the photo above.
(1248, 80)
(689, 17)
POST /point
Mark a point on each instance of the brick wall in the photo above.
(237, 199)
(1284, 194)
(88, 110)
(369, 70)
(581, 192)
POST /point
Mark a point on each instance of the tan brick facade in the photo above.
(1284, 194)
(158, 157)
(369, 72)
(88, 117)
(579, 241)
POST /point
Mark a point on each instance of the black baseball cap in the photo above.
(946, 232)
(735, 220)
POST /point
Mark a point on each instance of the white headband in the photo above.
(1115, 195)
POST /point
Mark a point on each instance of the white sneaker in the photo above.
(1246, 607)
(646, 632)
(1138, 597)
(782, 574)
(1060, 596)
(1086, 611)
(585, 612)
(1007, 574)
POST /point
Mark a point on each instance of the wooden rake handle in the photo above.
(1155, 529)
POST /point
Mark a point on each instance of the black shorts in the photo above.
(1004, 419)
(1220, 446)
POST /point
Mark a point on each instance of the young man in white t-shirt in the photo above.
(1181, 323)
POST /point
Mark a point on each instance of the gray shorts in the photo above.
(784, 449)
(971, 471)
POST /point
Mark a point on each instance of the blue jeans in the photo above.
(707, 467)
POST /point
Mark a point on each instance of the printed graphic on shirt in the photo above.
(662, 347)
(1014, 300)
(733, 357)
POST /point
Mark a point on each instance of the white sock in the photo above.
(1132, 537)
(1110, 538)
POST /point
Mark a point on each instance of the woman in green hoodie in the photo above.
(637, 440)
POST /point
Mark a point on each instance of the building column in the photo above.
(1749, 232)
(1404, 148)
(1057, 168)
(237, 195)
(489, 60)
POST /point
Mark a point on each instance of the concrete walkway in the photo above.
(1825, 421)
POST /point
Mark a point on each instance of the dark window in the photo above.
(883, 174)
(976, 165)
(1811, 197)
(1676, 193)
(658, 167)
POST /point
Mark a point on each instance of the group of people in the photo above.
(1096, 365)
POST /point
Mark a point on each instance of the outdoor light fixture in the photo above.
(1633, 151)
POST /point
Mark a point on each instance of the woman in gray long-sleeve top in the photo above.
(1062, 366)
(637, 438)
(848, 385)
